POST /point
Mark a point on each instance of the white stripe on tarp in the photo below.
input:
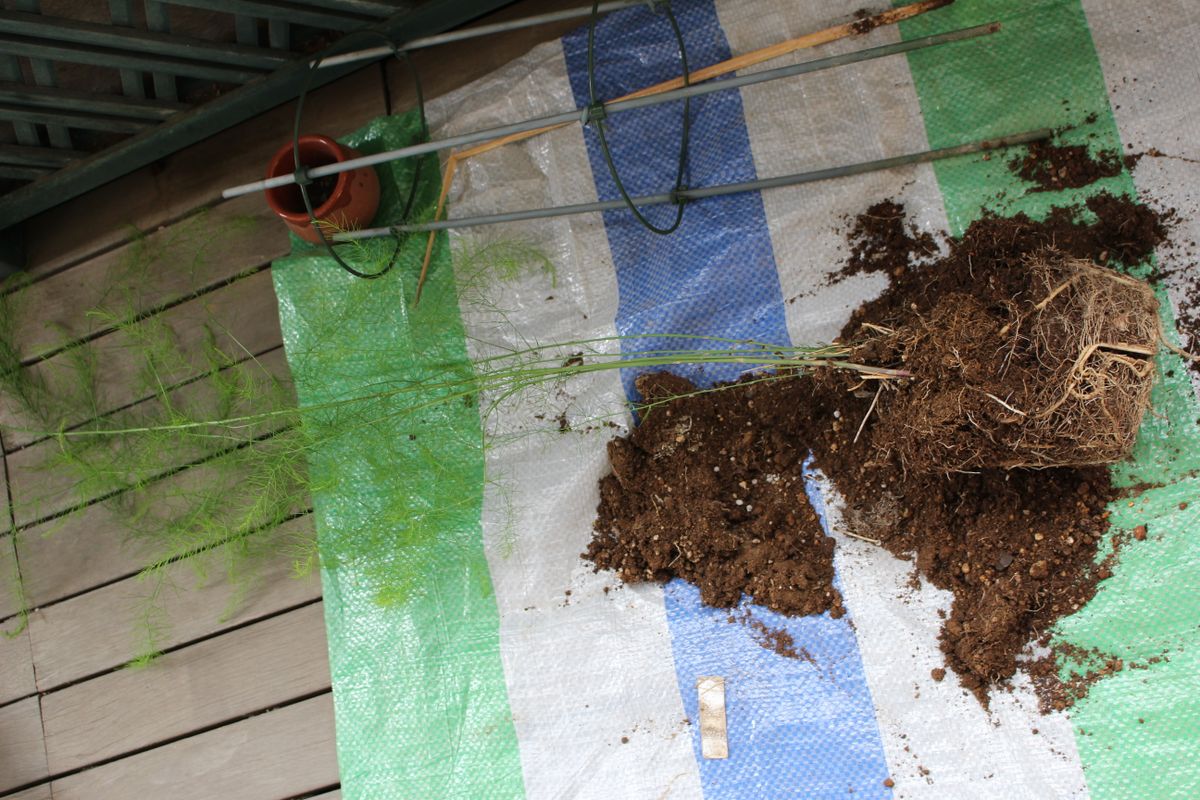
(1142, 49)
(844, 116)
(590, 676)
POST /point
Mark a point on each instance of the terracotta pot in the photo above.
(346, 200)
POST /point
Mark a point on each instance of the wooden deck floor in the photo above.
(241, 708)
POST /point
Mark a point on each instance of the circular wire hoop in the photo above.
(302, 179)
(595, 114)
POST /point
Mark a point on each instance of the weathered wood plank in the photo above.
(217, 680)
(10, 581)
(100, 630)
(194, 177)
(73, 554)
(22, 754)
(163, 267)
(5, 509)
(16, 653)
(336, 794)
(91, 547)
(41, 793)
(10, 585)
(240, 317)
(16, 669)
(43, 486)
(282, 753)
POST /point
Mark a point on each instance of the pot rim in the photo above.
(282, 163)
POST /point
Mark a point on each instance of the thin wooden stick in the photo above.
(753, 58)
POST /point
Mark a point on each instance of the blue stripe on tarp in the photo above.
(797, 728)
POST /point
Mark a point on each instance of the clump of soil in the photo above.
(1070, 166)
(710, 487)
(881, 240)
(1016, 546)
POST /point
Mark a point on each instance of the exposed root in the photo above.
(1062, 374)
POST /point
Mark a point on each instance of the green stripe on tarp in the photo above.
(1137, 731)
(414, 648)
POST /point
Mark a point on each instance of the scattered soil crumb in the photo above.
(938, 674)
(776, 639)
(1057, 166)
(1133, 159)
(1085, 668)
(882, 240)
(1186, 283)
(704, 509)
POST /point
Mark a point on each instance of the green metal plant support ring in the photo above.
(595, 113)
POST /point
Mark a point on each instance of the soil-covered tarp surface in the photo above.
(710, 486)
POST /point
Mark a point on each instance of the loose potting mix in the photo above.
(1022, 355)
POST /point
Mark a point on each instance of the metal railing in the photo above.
(55, 126)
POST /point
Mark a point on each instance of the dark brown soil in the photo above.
(1087, 667)
(881, 240)
(1055, 166)
(709, 488)
(1057, 692)
(1016, 547)
(777, 640)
